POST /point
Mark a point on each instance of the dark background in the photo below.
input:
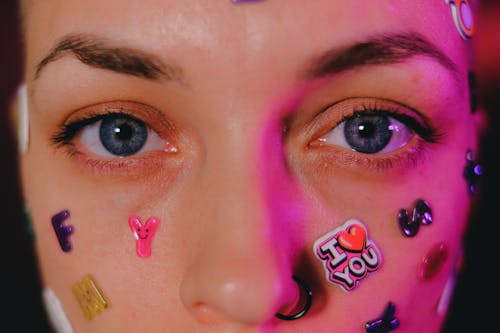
(475, 305)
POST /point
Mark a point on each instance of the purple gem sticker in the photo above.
(385, 323)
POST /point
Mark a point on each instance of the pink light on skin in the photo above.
(282, 195)
(143, 233)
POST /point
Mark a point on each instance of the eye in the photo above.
(113, 134)
(369, 133)
(119, 135)
(371, 126)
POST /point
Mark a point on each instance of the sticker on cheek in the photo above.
(22, 116)
(433, 261)
(463, 17)
(422, 215)
(386, 322)
(472, 172)
(91, 299)
(55, 312)
(348, 255)
(449, 287)
(143, 233)
(62, 231)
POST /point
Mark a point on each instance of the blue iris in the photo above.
(368, 133)
(122, 135)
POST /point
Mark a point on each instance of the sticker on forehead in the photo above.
(463, 17)
(243, 1)
(348, 255)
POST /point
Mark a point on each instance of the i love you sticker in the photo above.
(347, 254)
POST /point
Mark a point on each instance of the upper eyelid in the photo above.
(326, 119)
(422, 129)
(70, 129)
(152, 117)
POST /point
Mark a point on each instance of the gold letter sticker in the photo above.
(90, 297)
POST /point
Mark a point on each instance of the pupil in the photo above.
(366, 130)
(123, 132)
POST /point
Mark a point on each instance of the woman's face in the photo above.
(255, 142)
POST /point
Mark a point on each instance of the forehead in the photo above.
(246, 33)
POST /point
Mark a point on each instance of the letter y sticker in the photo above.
(143, 233)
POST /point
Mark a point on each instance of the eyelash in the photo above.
(408, 155)
(67, 132)
(427, 133)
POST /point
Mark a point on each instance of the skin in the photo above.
(243, 188)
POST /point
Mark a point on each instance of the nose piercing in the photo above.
(305, 299)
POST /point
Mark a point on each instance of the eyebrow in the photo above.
(379, 50)
(101, 53)
(383, 49)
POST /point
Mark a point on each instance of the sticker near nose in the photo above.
(347, 254)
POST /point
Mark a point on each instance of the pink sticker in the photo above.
(463, 17)
(347, 254)
(143, 233)
(433, 261)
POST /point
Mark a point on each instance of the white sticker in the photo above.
(55, 312)
(22, 119)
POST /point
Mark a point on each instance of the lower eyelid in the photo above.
(116, 167)
(341, 158)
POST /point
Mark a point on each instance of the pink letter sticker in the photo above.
(347, 254)
(143, 233)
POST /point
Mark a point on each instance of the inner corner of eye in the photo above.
(334, 136)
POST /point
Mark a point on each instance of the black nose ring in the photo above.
(305, 291)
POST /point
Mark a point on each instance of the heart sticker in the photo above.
(353, 239)
(348, 255)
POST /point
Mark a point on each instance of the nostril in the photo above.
(206, 314)
(302, 304)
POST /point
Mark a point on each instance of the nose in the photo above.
(242, 270)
